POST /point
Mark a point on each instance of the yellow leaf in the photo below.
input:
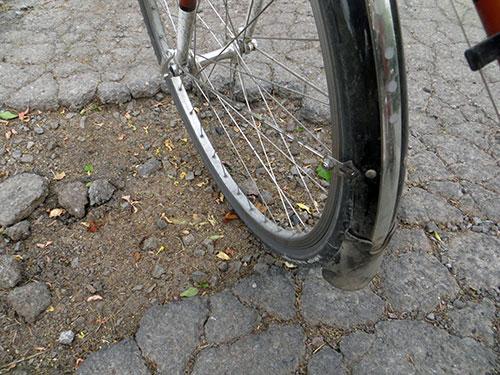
(290, 265)
(81, 335)
(160, 250)
(94, 298)
(182, 175)
(50, 309)
(437, 236)
(59, 176)
(18, 257)
(303, 207)
(222, 256)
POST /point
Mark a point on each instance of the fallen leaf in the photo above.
(303, 207)
(230, 215)
(23, 114)
(137, 256)
(43, 245)
(56, 212)
(8, 134)
(189, 292)
(14, 131)
(59, 176)
(228, 251)
(94, 227)
(50, 309)
(222, 256)
(18, 257)
(6, 115)
(437, 236)
(215, 237)
(290, 265)
(121, 137)
(79, 361)
(94, 298)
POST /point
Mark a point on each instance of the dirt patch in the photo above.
(104, 254)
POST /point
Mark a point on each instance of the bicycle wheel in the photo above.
(303, 126)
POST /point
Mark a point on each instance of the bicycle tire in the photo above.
(353, 227)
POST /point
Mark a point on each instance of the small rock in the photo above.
(83, 120)
(431, 227)
(317, 341)
(30, 300)
(158, 272)
(73, 197)
(19, 196)
(458, 304)
(190, 176)
(236, 266)
(214, 280)
(199, 277)
(150, 244)
(10, 272)
(209, 245)
(431, 316)
(17, 154)
(260, 268)
(137, 288)
(66, 337)
(249, 187)
(188, 240)
(100, 192)
(476, 221)
(38, 130)
(149, 167)
(27, 158)
(74, 263)
(199, 252)
(19, 231)
(30, 145)
(161, 224)
(222, 267)
(267, 197)
(55, 126)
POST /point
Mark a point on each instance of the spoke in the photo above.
(259, 37)
(296, 75)
(170, 16)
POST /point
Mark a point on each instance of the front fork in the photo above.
(181, 58)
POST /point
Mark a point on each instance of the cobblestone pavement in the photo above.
(433, 308)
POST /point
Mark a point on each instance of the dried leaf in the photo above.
(23, 114)
(50, 309)
(137, 256)
(230, 215)
(79, 361)
(290, 265)
(189, 292)
(56, 212)
(94, 227)
(303, 207)
(222, 256)
(59, 176)
(228, 251)
(437, 236)
(121, 137)
(43, 245)
(94, 298)
(8, 134)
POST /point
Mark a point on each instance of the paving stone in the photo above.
(485, 200)
(426, 166)
(168, 334)
(406, 240)
(30, 300)
(276, 351)
(113, 92)
(40, 94)
(19, 231)
(78, 90)
(321, 303)
(413, 347)
(122, 358)
(416, 282)
(418, 207)
(73, 197)
(475, 321)
(326, 362)
(261, 290)
(143, 81)
(10, 272)
(19, 196)
(228, 319)
(475, 256)
(100, 192)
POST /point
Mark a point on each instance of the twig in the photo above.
(8, 365)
